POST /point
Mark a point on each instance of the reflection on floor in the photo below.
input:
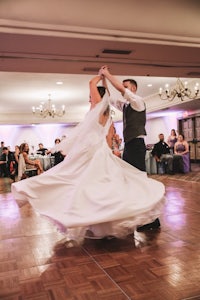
(156, 265)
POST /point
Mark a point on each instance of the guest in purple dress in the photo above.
(181, 160)
(172, 139)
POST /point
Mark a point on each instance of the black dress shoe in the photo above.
(150, 226)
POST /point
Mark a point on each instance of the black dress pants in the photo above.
(134, 153)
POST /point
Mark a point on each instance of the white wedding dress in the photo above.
(92, 189)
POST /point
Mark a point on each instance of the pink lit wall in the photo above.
(15, 135)
(33, 135)
(160, 125)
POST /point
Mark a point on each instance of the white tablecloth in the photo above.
(151, 167)
(47, 162)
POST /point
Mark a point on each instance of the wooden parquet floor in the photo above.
(156, 265)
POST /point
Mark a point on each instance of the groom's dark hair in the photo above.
(132, 81)
(101, 90)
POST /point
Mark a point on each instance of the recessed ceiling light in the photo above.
(149, 84)
(59, 82)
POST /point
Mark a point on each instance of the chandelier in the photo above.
(48, 109)
(180, 90)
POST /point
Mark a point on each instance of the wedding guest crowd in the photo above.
(172, 157)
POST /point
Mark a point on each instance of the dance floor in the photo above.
(156, 265)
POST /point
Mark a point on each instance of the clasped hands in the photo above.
(103, 70)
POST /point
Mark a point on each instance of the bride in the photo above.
(93, 190)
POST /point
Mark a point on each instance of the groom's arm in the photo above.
(113, 80)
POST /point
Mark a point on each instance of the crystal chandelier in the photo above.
(180, 90)
(49, 109)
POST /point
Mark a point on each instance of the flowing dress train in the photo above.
(92, 188)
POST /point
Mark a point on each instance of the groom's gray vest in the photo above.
(133, 123)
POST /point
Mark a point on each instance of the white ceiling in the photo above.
(48, 41)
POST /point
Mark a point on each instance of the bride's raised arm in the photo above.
(95, 96)
(104, 82)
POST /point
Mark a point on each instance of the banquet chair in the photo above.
(22, 171)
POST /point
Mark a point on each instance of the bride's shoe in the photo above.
(68, 243)
(61, 242)
(71, 243)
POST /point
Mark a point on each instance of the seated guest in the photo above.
(24, 149)
(2, 163)
(161, 153)
(41, 150)
(16, 157)
(116, 143)
(1, 148)
(121, 146)
(181, 161)
(59, 155)
(7, 159)
(1, 160)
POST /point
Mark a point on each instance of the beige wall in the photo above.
(33, 135)
(15, 135)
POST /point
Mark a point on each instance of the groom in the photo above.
(134, 120)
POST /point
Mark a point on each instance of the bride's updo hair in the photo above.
(107, 111)
(101, 90)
